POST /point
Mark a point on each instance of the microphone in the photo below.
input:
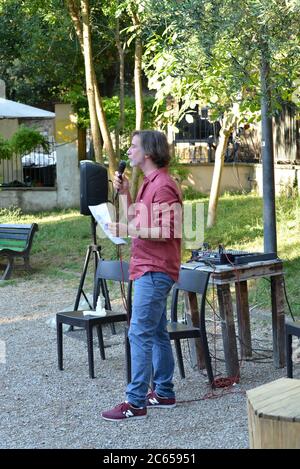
(121, 169)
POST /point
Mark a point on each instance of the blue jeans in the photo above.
(149, 340)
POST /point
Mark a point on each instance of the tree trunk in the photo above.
(138, 93)
(89, 78)
(121, 123)
(81, 136)
(121, 78)
(227, 128)
(75, 15)
(105, 131)
(138, 90)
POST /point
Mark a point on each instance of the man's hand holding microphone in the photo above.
(120, 182)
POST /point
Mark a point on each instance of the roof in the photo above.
(11, 109)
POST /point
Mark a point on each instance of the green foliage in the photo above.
(112, 112)
(75, 96)
(24, 140)
(6, 151)
(177, 170)
(37, 53)
(111, 106)
(189, 193)
(40, 57)
(209, 52)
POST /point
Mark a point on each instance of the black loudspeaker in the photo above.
(93, 185)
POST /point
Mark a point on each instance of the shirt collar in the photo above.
(155, 173)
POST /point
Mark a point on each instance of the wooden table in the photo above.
(222, 276)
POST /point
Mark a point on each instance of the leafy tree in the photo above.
(38, 56)
(210, 52)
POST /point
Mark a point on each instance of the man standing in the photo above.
(154, 267)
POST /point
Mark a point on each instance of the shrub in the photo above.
(23, 141)
(6, 151)
(26, 139)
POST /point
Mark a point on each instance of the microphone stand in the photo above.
(95, 250)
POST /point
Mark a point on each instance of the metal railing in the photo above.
(35, 169)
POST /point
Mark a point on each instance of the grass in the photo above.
(60, 245)
(240, 226)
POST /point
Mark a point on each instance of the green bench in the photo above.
(15, 241)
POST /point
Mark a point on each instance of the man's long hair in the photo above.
(155, 144)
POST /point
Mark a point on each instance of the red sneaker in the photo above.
(154, 400)
(125, 411)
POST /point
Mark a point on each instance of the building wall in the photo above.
(29, 199)
(68, 176)
(8, 127)
(45, 126)
(67, 194)
(65, 124)
(244, 176)
(287, 177)
(234, 177)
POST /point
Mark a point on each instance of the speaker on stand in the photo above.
(93, 191)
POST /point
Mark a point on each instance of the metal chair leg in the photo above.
(208, 363)
(101, 342)
(59, 344)
(179, 358)
(89, 334)
(127, 356)
(289, 352)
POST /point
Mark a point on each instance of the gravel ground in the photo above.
(42, 407)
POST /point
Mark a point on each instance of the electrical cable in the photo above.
(285, 295)
(122, 283)
(286, 299)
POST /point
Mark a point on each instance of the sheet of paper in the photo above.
(102, 216)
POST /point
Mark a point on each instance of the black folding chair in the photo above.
(107, 270)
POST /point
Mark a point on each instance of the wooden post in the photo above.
(192, 312)
(242, 308)
(228, 330)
